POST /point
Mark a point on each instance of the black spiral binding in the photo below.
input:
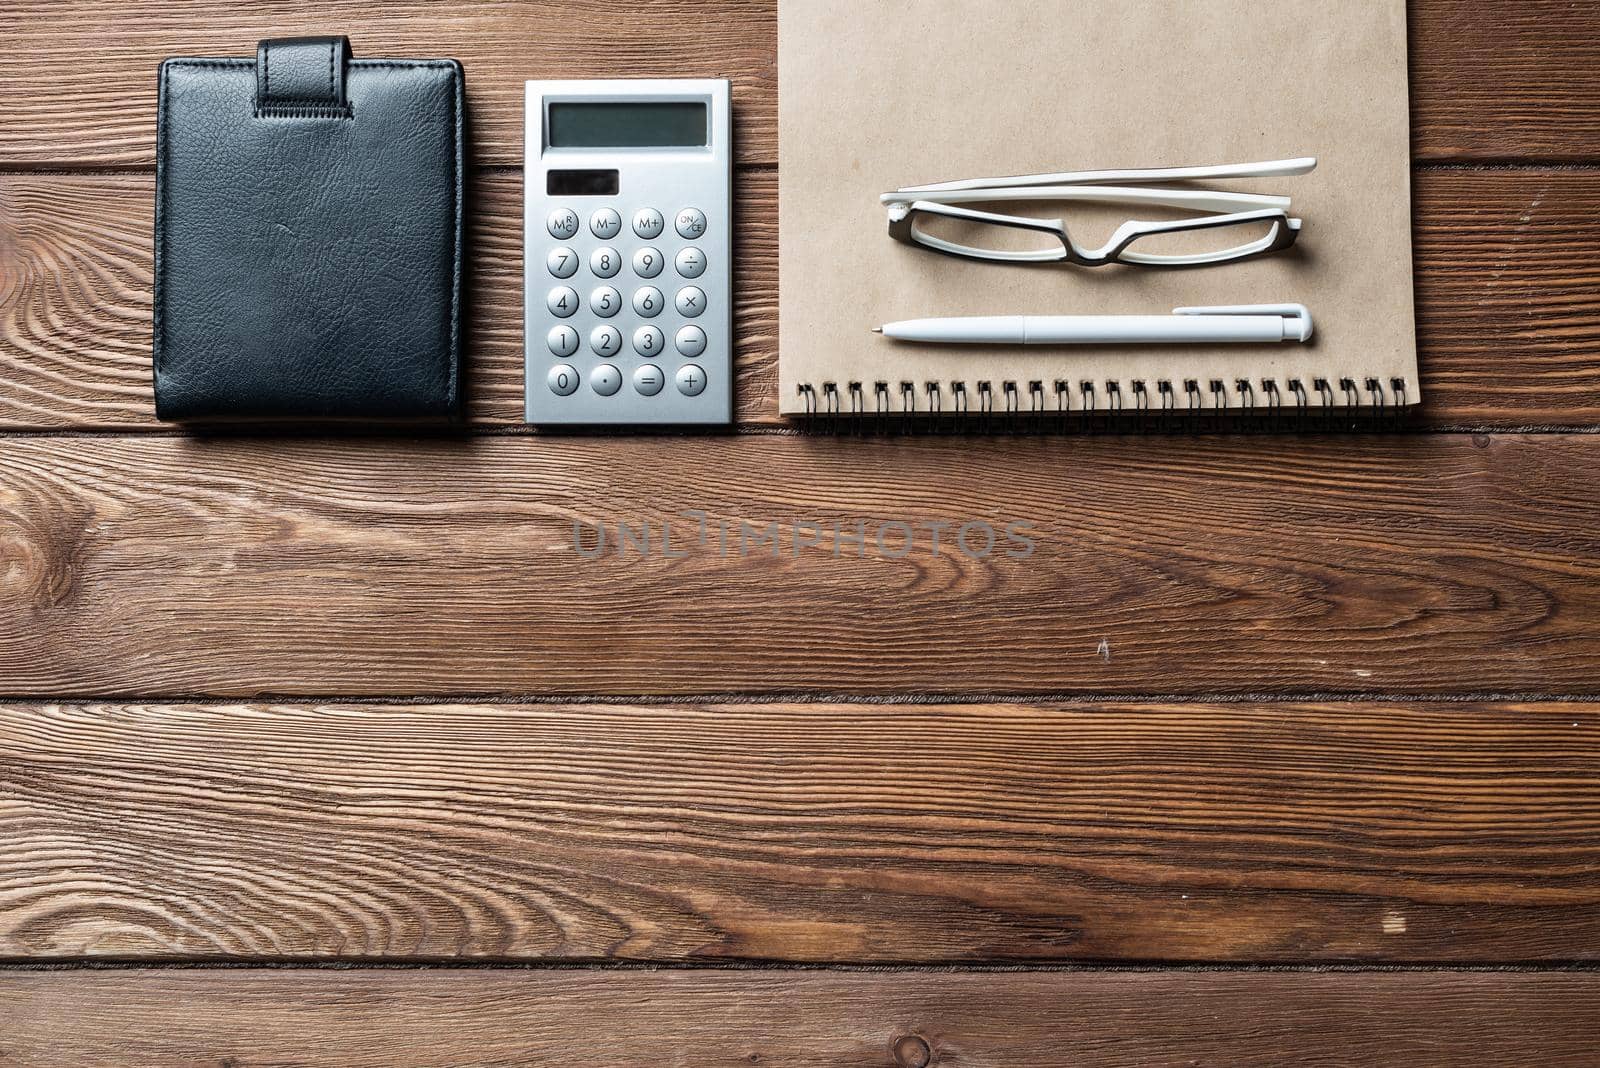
(1062, 406)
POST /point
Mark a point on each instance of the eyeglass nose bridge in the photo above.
(903, 228)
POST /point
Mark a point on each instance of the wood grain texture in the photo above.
(409, 1019)
(1508, 299)
(1484, 79)
(1371, 830)
(1507, 285)
(857, 833)
(75, 300)
(80, 78)
(1494, 79)
(1413, 564)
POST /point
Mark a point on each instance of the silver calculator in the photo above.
(627, 278)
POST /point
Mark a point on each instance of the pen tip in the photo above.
(877, 330)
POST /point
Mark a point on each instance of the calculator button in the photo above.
(563, 380)
(563, 262)
(649, 341)
(647, 223)
(691, 341)
(691, 302)
(562, 224)
(606, 379)
(605, 262)
(605, 224)
(562, 301)
(648, 301)
(606, 341)
(691, 263)
(647, 262)
(691, 223)
(649, 379)
(691, 380)
(605, 302)
(563, 340)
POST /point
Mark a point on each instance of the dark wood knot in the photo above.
(912, 1051)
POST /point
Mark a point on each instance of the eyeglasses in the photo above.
(1228, 227)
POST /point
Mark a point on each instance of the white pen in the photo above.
(1185, 326)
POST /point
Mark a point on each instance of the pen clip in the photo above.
(1298, 314)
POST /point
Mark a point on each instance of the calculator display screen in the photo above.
(661, 124)
(582, 183)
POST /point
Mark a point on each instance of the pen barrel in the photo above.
(971, 330)
(1151, 329)
(1176, 329)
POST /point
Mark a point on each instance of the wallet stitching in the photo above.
(159, 303)
(159, 325)
(455, 222)
(304, 111)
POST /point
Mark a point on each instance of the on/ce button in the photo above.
(649, 379)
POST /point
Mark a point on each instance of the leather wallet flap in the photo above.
(302, 76)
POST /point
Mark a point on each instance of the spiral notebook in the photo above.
(879, 95)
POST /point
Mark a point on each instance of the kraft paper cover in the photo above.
(879, 94)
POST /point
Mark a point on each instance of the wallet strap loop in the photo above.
(302, 77)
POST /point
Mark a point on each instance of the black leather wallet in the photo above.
(308, 235)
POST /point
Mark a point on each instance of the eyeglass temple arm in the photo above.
(1207, 200)
(1280, 168)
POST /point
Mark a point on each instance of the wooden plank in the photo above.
(81, 79)
(1508, 79)
(179, 565)
(1508, 297)
(396, 1019)
(75, 299)
(1508, 300)
(833, 833)
(1495, 79)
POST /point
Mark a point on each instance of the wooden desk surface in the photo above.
(1276, 750)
